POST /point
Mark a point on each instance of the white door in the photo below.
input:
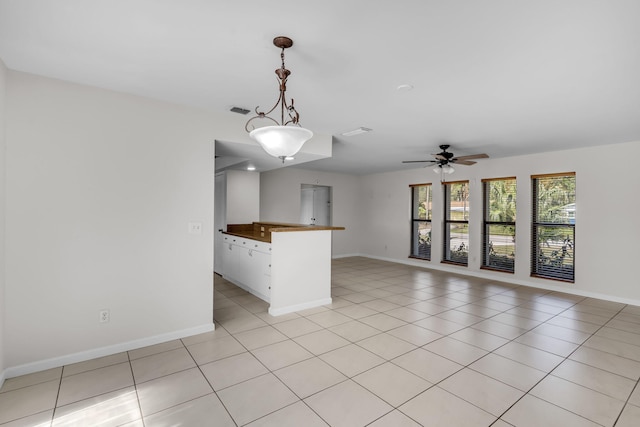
(306, 206)
(322, 205)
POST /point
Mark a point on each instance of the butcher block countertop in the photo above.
(262, 230)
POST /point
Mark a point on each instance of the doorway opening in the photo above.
(315, 204)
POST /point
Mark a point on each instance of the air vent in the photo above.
(239, 110)
(358, 131)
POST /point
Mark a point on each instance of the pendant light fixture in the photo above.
(286, 137)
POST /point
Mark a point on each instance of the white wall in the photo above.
(100, 187)
(280, 202)
(3, 72)
(243, 197)
(607, 234)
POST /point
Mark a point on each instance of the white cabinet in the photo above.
(247, 263)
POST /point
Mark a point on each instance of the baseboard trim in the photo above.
(347, 256)
(297, 307)
(68, 359)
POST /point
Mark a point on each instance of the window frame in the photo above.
(415, 220)
(487, 223)
(536, 271)
(447, 222)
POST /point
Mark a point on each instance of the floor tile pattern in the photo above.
(398, 346)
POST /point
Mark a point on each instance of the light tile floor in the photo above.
(399, 346)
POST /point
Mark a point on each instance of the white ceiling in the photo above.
(503, 77)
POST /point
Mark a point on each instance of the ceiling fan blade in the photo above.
(439, 156)
(463, 162)
(473, 156)
(418, 161)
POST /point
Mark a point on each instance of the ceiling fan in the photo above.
(444, 159)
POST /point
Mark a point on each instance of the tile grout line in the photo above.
(626, 403)
(135, 387)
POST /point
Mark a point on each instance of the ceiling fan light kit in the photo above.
(448, 169)
(286, 137)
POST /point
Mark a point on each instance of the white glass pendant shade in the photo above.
(437, 169)
(281, 141)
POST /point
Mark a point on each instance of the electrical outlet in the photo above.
(104, 316)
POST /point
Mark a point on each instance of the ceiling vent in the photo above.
(239, 110)
(357, 131)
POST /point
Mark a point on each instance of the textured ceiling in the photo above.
(504, 77)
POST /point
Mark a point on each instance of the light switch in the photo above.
(195, 228)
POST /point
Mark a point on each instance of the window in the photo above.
(421, 221)
(499, 224)
(456, 222)
(553, 226)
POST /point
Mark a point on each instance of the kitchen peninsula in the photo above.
(287, 265)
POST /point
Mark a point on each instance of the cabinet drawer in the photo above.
(233, 240)
(260, 246)
(255, 245)
(249, 244)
